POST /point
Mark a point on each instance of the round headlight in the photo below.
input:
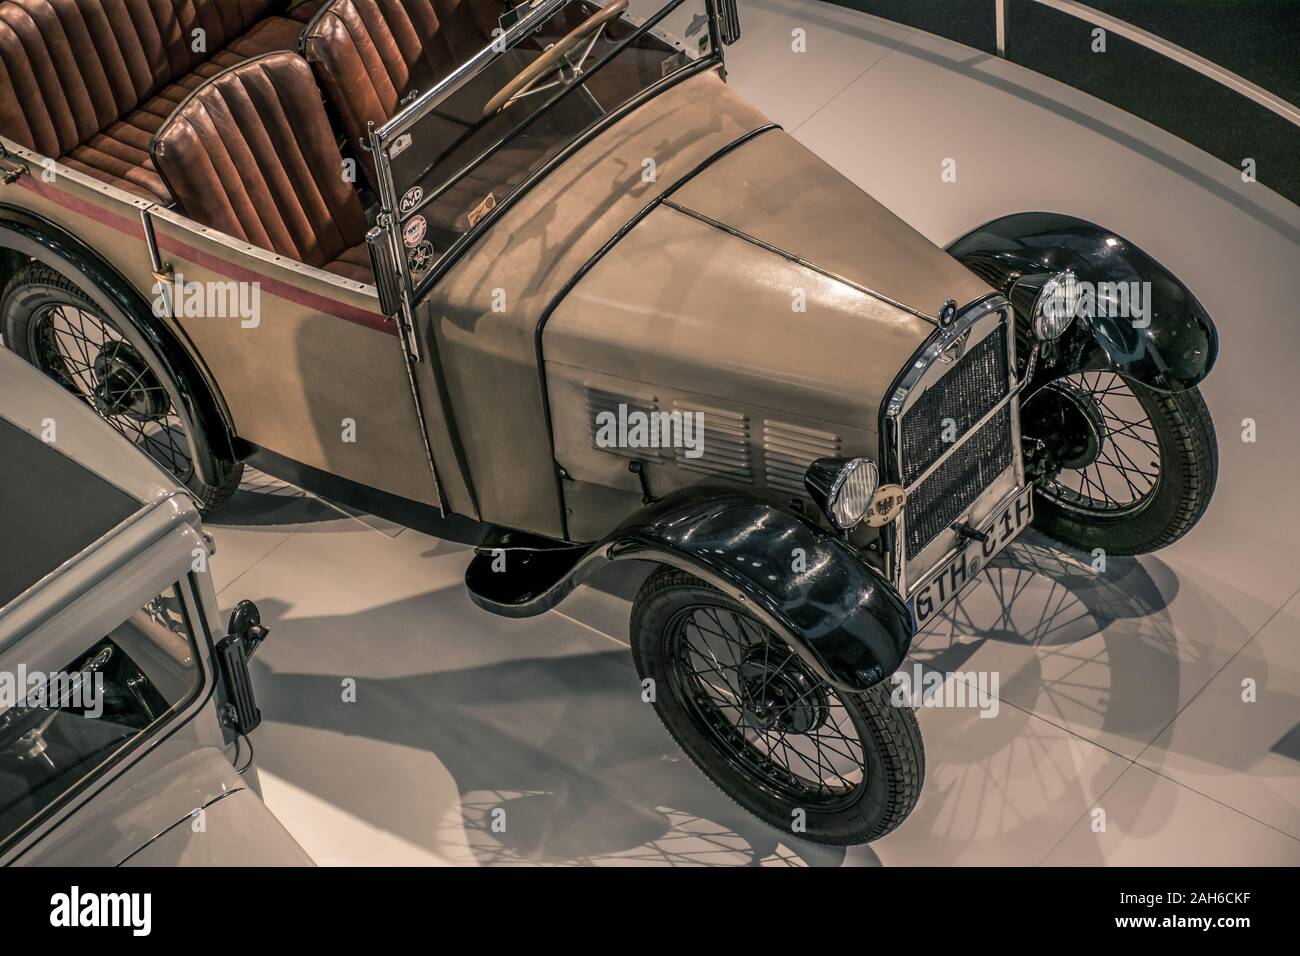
(843, 488)
(1056, 306)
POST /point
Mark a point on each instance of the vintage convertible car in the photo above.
(531, 274)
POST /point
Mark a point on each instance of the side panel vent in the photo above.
(790, 449)
(601, 401)
(724, 443)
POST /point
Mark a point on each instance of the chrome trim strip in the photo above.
(37, 168)
(263, 256)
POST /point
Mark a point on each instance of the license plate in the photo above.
(949, 579)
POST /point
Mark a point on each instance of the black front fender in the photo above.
(1171, 347)
(840, 615)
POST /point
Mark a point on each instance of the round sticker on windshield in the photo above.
(413, 232)
(411, 199)
(419, 260)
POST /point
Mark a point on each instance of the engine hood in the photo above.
(776, 192)
(769, 286)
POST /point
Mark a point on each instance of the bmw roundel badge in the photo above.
(948, 314)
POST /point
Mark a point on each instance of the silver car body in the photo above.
(138, 806)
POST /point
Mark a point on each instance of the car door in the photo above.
(416, 156)
(310, 367)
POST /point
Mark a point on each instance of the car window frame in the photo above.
(50, 818)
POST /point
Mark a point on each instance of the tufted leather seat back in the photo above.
(69, 68)
(251, 153)
(369, 54)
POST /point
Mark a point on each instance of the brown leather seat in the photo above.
(370, 54)
(88, 82)
(251, 153)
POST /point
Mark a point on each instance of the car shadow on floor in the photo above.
(555, 761)
(269, 503)
(1103, 630)
(564, 745)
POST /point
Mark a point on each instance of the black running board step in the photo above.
(522, 581)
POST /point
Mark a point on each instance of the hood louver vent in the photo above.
(725, 444)
(709, 440)
(790, 449)
(599, 400)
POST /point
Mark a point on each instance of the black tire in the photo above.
(167, 433)
(891, 754)
(1188, 469)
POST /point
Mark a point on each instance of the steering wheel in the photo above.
(552, 58)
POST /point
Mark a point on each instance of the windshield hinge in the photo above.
(9, 174)
(728, 22)
(407, 328)
(388, 282)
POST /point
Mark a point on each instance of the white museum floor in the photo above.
(1120, 691)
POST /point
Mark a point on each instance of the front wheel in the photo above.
(819, 763)
(1126, 469)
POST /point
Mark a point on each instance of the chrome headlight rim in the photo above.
(830, 482)
(1056, 306)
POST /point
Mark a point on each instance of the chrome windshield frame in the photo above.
(414, 111)
(384, 137)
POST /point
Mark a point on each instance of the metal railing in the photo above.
(1150, 41)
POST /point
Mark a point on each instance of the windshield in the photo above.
(57, 729)
(555, 70)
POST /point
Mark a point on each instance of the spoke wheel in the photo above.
(1143, 464)
(118, 372)
(91, 358)
(765, 711)
(1118, 470)
(818, 762)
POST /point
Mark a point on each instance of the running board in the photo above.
(521, 575)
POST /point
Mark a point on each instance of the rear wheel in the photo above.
(820, 763)
(51, 323)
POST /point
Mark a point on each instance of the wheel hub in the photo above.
(784, 698)
(1066, 420)
(125, 385)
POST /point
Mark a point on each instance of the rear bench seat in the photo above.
(89, 82)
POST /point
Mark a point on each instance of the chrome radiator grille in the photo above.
(949, 409)
(956, 483)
